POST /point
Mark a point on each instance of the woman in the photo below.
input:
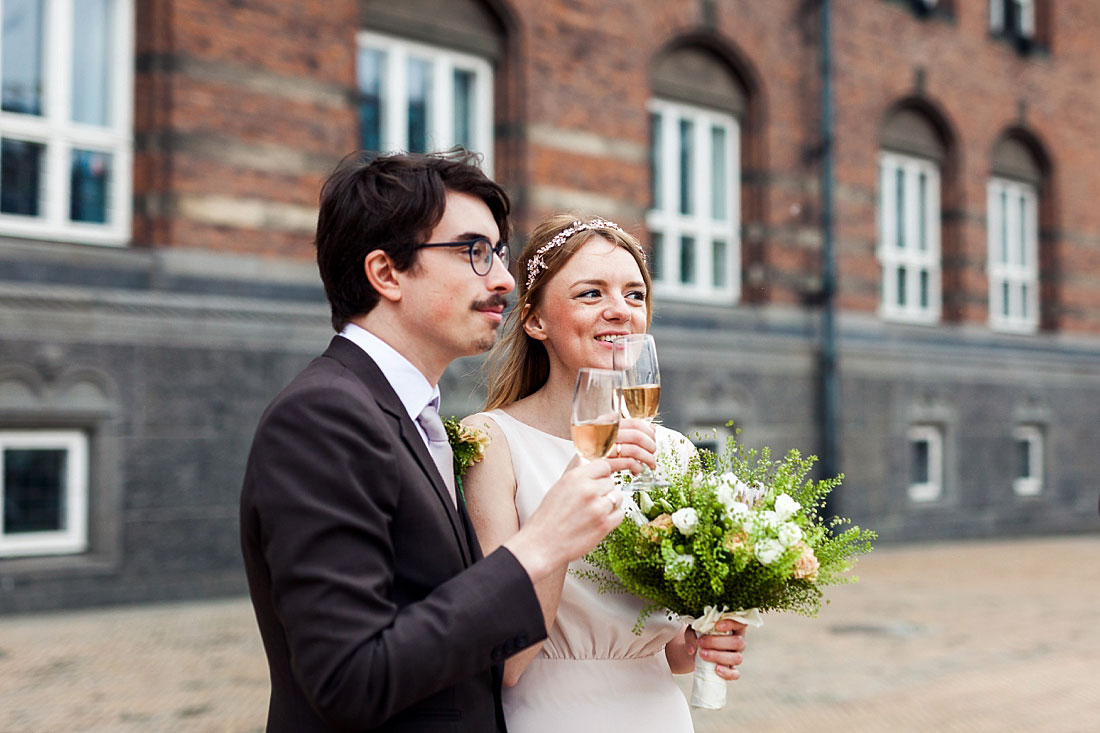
(582, 281)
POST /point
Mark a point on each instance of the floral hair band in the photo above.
(537, 263)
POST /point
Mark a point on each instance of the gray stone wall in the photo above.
(167, 362)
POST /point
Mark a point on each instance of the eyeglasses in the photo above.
(481, 252)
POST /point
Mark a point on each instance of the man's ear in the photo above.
(382, 275)
(532, 323)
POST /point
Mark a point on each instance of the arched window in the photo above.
(695, 170)
(1012, 233)
(910, 165)
(425, 75)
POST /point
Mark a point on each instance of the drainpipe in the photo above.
(830, 462)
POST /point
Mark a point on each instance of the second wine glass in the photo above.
(596, 405)
(635, 355)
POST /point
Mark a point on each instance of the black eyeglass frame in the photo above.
(502, 250)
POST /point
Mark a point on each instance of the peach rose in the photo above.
(658, 528)
(806, 565)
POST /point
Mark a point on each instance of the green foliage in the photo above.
(756, 538)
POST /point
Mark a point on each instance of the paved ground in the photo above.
(991, 636)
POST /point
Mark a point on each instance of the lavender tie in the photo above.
(438, 445)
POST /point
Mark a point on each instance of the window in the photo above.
(422, 98)
(693, 221)
(43, 492)
(909, 238)
(65, 119)
(925, 463)
(1012, 18)
(1028, 460)
(1013, 236)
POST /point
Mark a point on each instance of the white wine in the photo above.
(641, 401)
(594, 439)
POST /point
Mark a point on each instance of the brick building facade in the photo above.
(160, 169)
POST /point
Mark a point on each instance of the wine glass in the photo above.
(596, 405)
(635, 355)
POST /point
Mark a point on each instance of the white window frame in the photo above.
(931, 490)
(912, 256)
(670, 225)
(1019, 273)
(56, 130)
(73, 538)
(1030, 485)
(444, 62)
(1025, 14)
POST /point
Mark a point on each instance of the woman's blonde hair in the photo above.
(519, 365)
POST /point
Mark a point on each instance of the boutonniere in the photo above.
(467, 446)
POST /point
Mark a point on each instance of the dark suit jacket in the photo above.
(376, 609)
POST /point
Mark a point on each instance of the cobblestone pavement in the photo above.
(983, 636)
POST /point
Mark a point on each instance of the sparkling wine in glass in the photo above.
(596, 405)
(635, 355)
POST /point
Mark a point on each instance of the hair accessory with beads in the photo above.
(537, 264)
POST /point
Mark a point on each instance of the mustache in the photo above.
(493, 300)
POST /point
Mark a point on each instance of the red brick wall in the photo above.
(249, 102)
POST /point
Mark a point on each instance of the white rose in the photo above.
(737, 509)
(789, 534)
(768, 551)
(685, 520)
(786, 507)
(680, 567)
(769, 519)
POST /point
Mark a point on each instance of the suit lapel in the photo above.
(359, 363)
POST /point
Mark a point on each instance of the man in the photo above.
(375, 606)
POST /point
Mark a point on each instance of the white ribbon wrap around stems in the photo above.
(708, 690)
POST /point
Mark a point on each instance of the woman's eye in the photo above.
(636, 295)
(590, 294)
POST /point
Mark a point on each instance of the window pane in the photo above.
(1005, 308)
(687, 260)
(924, 289)
(899, 217)
(21, 59)
(1023, 301)
(1004, 226)
(91, 186)
(719, 263)
(901, 276)
(420, 91)
(656, 258)
(21, 165)
(92, 61)
(920, 458)
(656, 160)
(464, 108)
(1024, 238)
(372, 75)
(34, 490)
(1023, 459)
(719, 206)
(687, 174)
(922, 211)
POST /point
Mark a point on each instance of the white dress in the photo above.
(593, 674)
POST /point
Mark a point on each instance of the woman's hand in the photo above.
(726, 651)
(635, 447)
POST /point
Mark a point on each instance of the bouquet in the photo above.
(732, 534)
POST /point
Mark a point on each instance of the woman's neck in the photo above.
(549, 408)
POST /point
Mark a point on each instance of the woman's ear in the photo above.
(382, 275)
(532, 323)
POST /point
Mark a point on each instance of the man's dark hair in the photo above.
(391, 203)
